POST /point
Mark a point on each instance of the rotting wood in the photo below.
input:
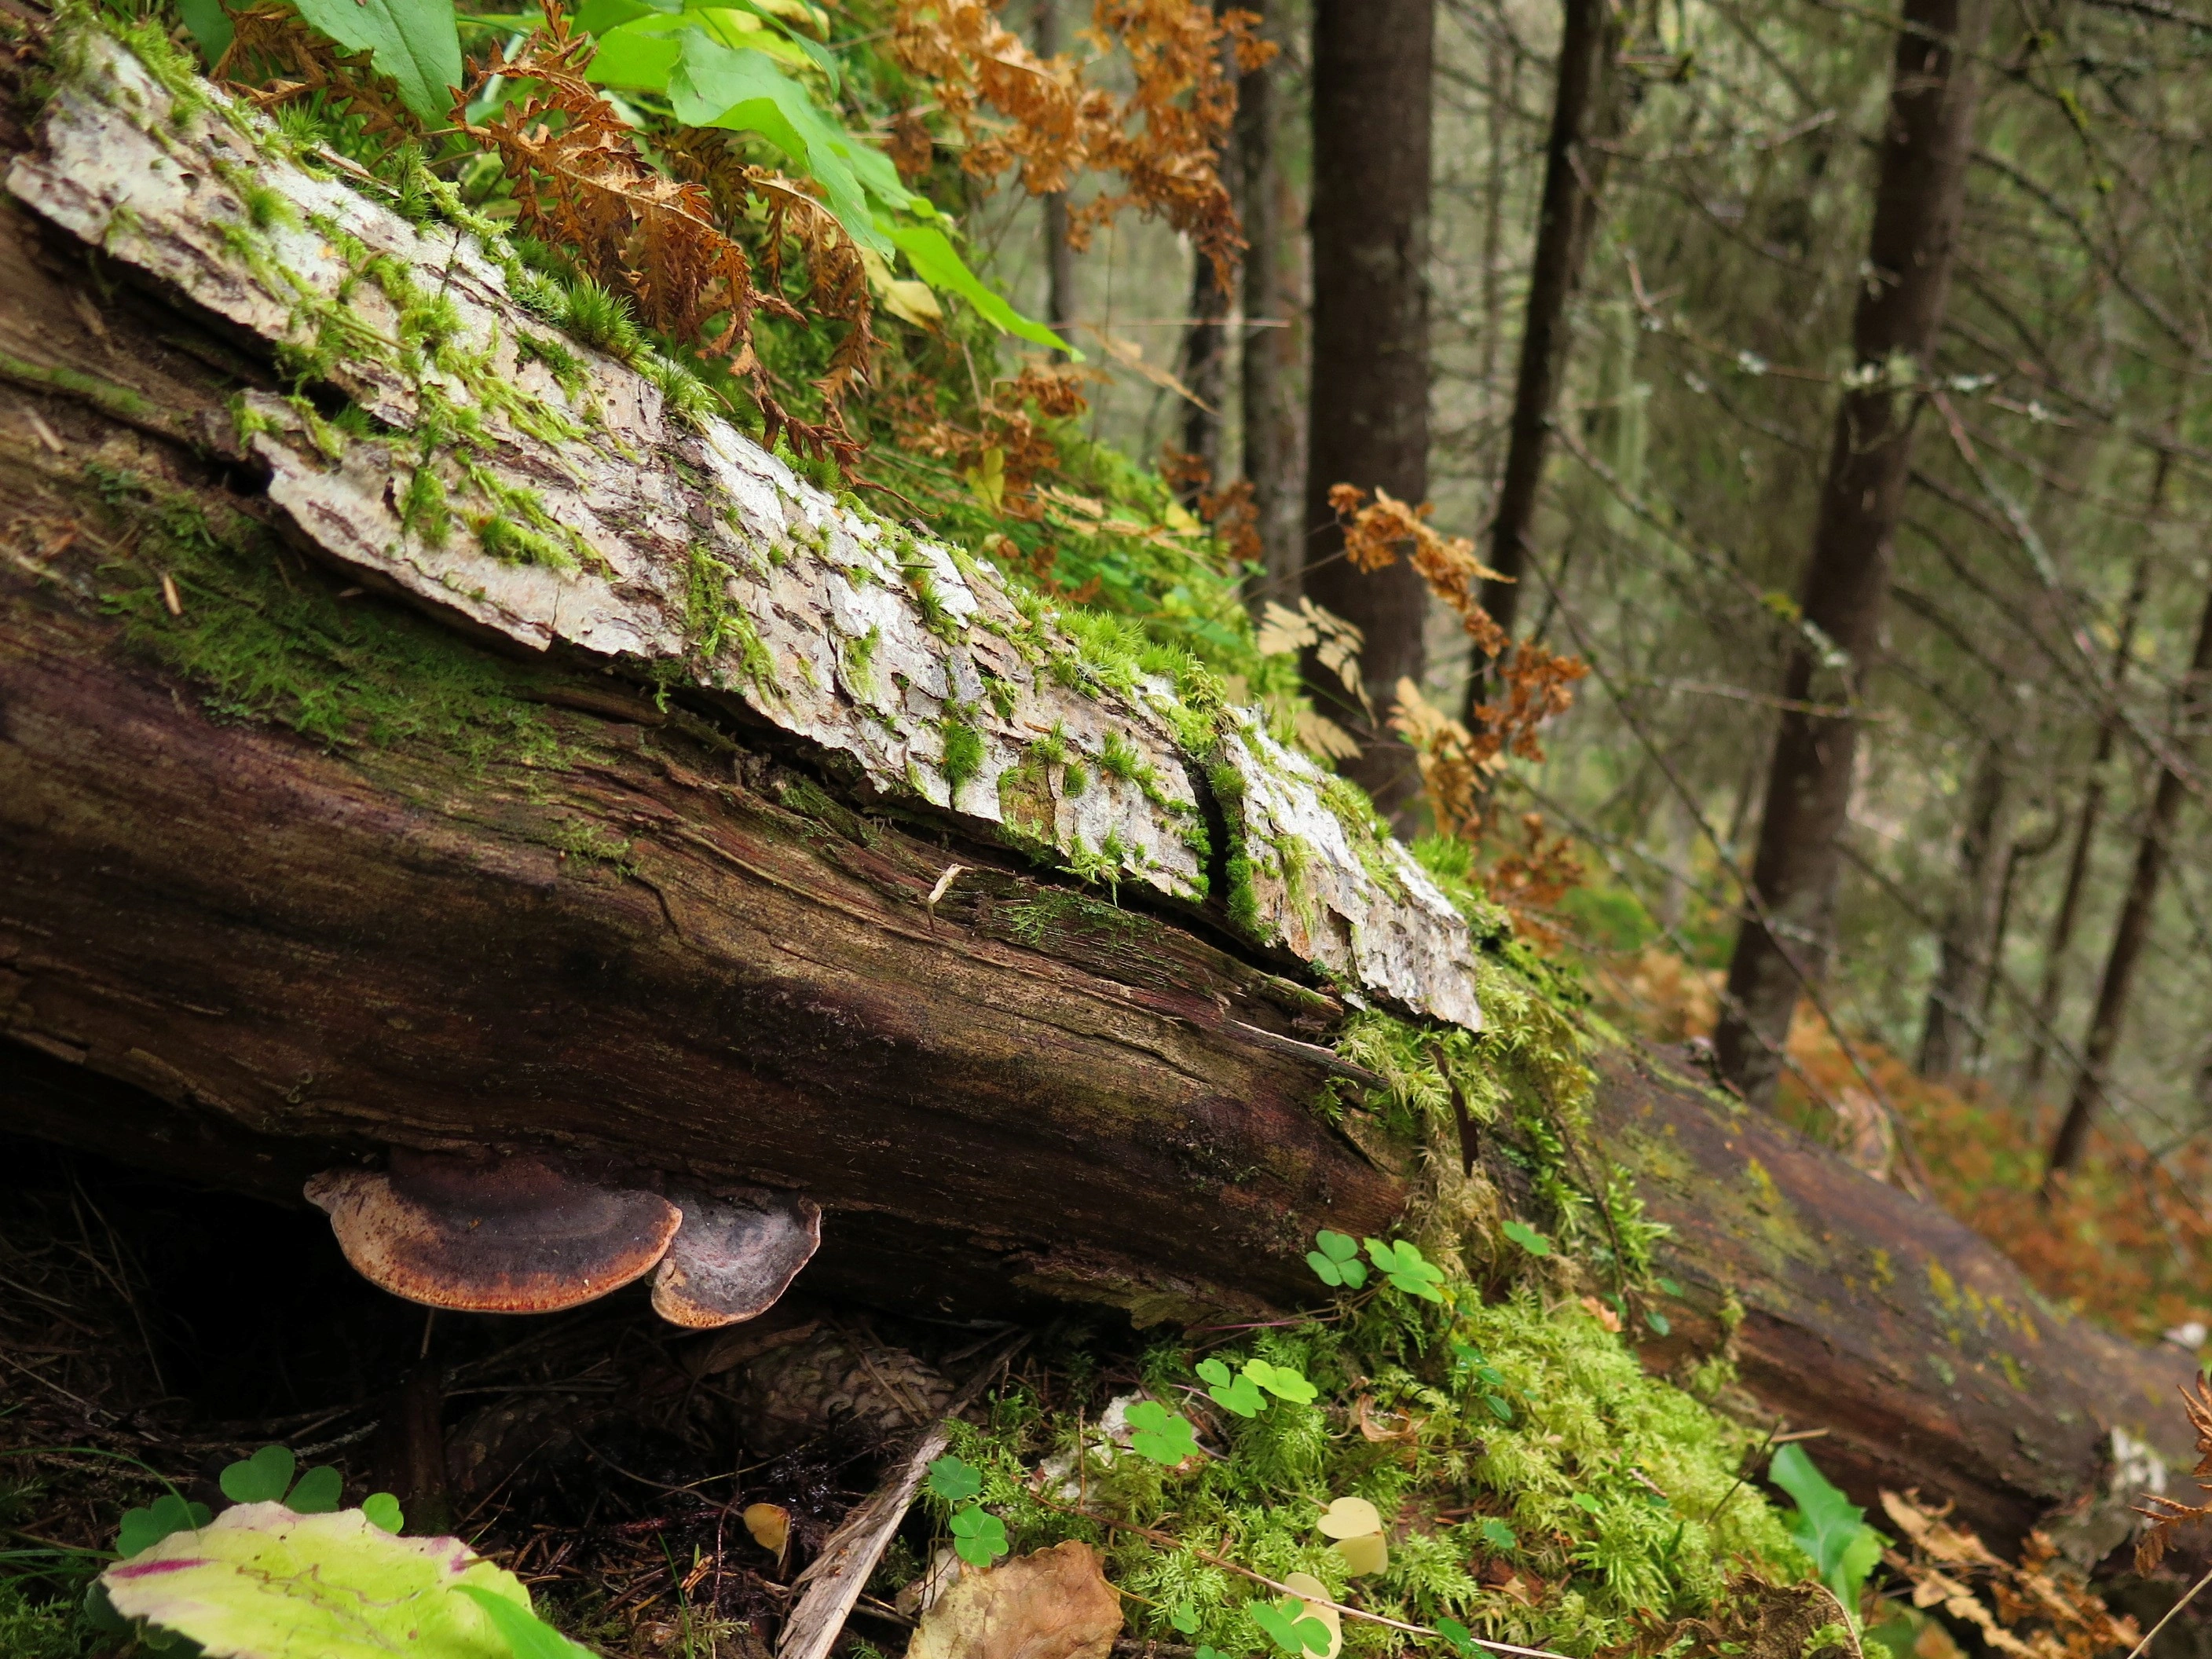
(680, 543)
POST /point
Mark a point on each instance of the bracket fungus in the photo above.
(733, 1257)
(508, 1235)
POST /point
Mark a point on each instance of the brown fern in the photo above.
(275, 58)
(582, 184)
(2167, 1516)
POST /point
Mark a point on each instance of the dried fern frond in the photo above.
(582, 184)
(1374, 531)
(2167, 1516)
(275, 58)
(1163, 139)
(2031, 1610)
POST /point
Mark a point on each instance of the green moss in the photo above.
(103, 395)
(264, 638)
(424, 511)
(714, 621)
(964, 752)
(859, 655)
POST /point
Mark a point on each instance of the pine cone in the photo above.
(794, 1395)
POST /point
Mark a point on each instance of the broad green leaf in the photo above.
(530, 1637)
(262, 1582)
(1827, 1525)
(264, 1478)
(1659, 1323)
(1497, 1535)
(318, 1491)
(1232, 1392)
(1408, 1271)
(1586, 1504)
(143, 1528)
(413, 41)
(211, 25)
(1185, 1617)
(382, 1510)
(954, 1480)
(1499, 1407)
(1457, 1633)
(1337, 1247)
(935, 262)
(1161, 1435)
(1528, 1238)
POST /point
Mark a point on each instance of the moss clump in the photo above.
(714, 621)
(964, 752)
(1515, 1431)
(266, 637)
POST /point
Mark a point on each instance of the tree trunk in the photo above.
(2085, 832)
(2132, 930)
(1948, 1026)
(302, 860)
(1205, 340)
(1782, 944)
(1059, 254)
(1368, 398)
(1583, 106)
(2023, 851)
(1270, 462)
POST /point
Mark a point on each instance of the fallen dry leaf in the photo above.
(769, 1524)
(1053, 1604)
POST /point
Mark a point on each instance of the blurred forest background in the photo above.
(2021, 913)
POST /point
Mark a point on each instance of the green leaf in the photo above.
(1528, 1238)
(1585, 1503)
(1410, 1272)
(1670, 1286)
(264, 1478)
(319, 1492)
(1232, 1392)
(1499, 1407)
(1206, 1652)
(530, 1637)
(1283, 1382)
(1185, 1617)
(1286, 1624)
(1160, 1435)
(935, 262)
(1497, 1535)
(979, 1537)
(1660, 1324)
(261, 1581)
(1827, 1525)
(1337, 1247)
(954, 1480)
(211, 25)
(143, 1528)
(1457, 1634)
(413, 41)
(382, 1510)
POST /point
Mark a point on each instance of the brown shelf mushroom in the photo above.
(733, 1257)
(509, 1235)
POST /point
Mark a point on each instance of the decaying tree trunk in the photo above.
(321, 837)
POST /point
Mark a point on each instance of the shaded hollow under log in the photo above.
(663, 943)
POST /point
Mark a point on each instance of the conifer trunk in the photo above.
(1270, 463)
(2132, 931)
(1059, 254)
(1368, 396)
(1948, 1026)
(1784, 941)
(1584, 106)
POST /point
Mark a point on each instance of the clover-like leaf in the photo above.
(1364, 1556)
(1349, 1517)
(1206, 1652)
(1497, 1535)
(1160, 1435)
(1185, 1617)
(1337, 1262)
(954, 1480)
(264, 1478)
(143, 1528)
(1527, 1237)
(1407, 1269)
(1457, 1634)
(382, 1510)
(1283, 1382)
(1288, 1625)
(979, 1537)
(319, 1492)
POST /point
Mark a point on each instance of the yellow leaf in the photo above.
(1315, 1594)
(1364, 1555)
(911, 301)
(1350, 1517)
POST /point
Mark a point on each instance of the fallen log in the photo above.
(321, 841)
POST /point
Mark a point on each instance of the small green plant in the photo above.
(1288, 1625)
(1240, 1392)
(1827, 1526)
(1336, 1263)
(1527, 1237)
(1469, 1359)
(1407, 1271)
(1159, 1435)
(979, 1537)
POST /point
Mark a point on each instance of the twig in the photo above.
(2188, 1596)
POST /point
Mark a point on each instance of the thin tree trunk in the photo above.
(2131, 932)
(1368, 399)
(1946, 1031)
(1574, 174)
(2023, 850)
(1918, 199)
(1269, 464)
(1206, 345)
(2085, 829)
(1059, 255)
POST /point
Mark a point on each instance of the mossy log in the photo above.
(318, 837)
